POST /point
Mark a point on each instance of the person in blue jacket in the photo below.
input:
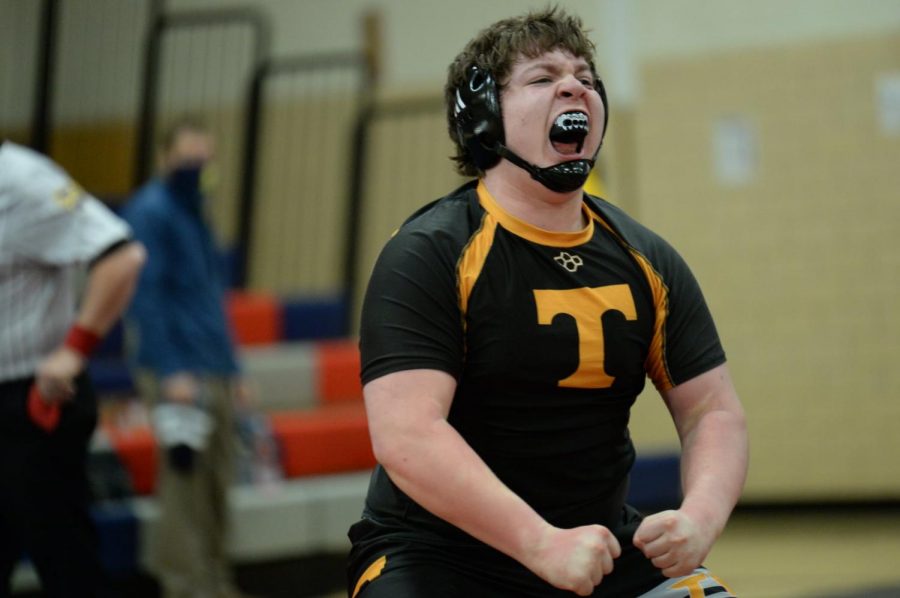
(185, 364)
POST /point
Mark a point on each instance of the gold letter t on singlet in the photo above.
(587, 306)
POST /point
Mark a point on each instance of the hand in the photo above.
(245, 394)
(673, 542)
(576, 559)
(181, 387)
(55, 375)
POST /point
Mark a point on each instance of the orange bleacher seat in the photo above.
(330, 439)
(136, 448)
(255, 317)
(337, 371)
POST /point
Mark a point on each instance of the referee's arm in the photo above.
(110, 285)
(112, 279)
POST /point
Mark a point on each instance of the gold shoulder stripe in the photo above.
(370, 574)
(471, 260)
(656, 365)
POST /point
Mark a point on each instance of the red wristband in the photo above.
(82, 340)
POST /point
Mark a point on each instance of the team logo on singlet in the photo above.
(569, 261)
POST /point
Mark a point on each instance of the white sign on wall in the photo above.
(887, 95)
(735, 149)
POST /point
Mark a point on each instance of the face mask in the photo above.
(185, 180)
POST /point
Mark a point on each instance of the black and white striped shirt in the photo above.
(49, 230)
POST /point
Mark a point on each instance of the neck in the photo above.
(526, 199)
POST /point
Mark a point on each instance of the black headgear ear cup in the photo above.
(598, 85)
(479, 121)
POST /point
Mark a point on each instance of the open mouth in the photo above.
(569, 131)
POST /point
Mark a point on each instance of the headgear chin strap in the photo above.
(564, 177)
(479, 127)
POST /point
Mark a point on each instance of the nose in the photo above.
(571, 87)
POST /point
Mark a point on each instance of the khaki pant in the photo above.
(189, 554)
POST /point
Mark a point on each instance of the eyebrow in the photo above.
(554, 67)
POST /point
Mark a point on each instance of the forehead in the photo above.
(551, 59)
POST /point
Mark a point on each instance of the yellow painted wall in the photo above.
(801, 265)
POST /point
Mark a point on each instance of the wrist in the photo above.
(532, 542)
(710, 517)
(81, 340)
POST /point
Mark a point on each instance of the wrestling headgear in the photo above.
(479, 128)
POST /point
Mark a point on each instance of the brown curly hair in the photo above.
(496, 48)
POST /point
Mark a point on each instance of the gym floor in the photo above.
(827, 552)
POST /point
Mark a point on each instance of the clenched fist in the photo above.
(576, 559)
(674, 542)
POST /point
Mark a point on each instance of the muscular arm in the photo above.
(428, 459)
(109, 288)
(711, 426)
(713, 432)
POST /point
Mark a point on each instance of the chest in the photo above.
(191, 252)
(575, 317)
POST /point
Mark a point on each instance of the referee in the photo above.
(50, 229)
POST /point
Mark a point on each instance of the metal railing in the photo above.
(295, 192)
(401, 161)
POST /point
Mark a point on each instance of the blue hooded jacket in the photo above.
(178, 309)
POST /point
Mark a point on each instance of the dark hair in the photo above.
(183, 124)
(495, 50)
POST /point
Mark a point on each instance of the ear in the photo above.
(479, 122)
